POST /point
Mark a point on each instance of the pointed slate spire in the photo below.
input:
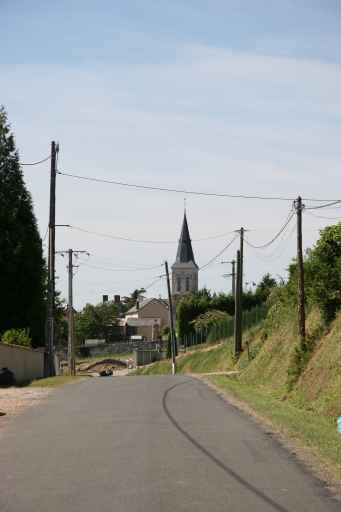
(185, 251)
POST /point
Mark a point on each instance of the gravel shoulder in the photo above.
(13, 401)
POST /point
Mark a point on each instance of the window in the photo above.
(187, 284)
(178, 284)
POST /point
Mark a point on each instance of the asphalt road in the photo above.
(151, 444)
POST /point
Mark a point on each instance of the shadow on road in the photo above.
(213, 458)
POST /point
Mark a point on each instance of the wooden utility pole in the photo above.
(71, 330)
(300, 272)
(237, 310)
(171, 321)
(50, 369)
(232, 275)
(239, 289)
(241, 231)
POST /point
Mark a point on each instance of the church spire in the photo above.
(185, 251)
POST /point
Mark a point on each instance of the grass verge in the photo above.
(53, 382)
(311, 430)
(210, 358)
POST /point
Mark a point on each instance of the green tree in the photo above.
(265, 287)
(322, 273)
(22, 268)
(130, 301)
(95, 322)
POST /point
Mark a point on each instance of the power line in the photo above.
(128, 239)
(38, 162)
(219, 253)
(111, 269)
(267, 244)
(184, 191)
(44, 237)
(328, 205)
(323, 217)
(279, 250)
(153, 282)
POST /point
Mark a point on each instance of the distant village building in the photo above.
(147, 318)
(185, 270)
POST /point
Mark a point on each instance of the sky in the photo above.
(237, 97)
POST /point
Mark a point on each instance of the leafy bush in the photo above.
(209, 318)
(16, 337)
(322, 270)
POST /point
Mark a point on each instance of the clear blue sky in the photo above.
(234, 96)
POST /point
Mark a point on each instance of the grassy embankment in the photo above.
(300, 394)
(204, 359)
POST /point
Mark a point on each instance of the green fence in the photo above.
(224, 329)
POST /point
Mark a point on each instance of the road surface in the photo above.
(149, 444)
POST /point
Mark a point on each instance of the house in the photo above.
(147, 318)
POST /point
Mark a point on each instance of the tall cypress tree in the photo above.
(22, 267)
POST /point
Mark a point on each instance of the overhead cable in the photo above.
(38, 162)
(219, 253)
(120, 269)
(328, 205)
(323, 217)
(128, 239)
(267, 244)
(184, 191)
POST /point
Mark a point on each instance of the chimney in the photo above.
(105, 299)
(117, 299)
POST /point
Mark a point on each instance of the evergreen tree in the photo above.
(22, 268)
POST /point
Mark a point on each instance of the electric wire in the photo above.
(322, 216)
(152, 283)
(279, 251)
(328, 205)
(128, 239)
(119, 269)
(267, 244)
(38, 162)
(45, 235)
(185, 191)
(219, 254)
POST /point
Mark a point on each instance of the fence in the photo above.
(225, 328)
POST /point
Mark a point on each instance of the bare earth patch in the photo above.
(13, 401)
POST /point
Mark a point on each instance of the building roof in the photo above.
(185, 251)
(144, 303)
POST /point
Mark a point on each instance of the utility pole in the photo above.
(233, 263)
(241, 231)
(50, 369)
(171, 321)
(71, 330)
(237, 310)
(300, 271)
(233, 275)
(239, 288)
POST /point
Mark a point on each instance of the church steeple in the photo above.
(185, 251)
(185, 269)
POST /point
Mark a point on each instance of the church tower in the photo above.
(184, 270)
